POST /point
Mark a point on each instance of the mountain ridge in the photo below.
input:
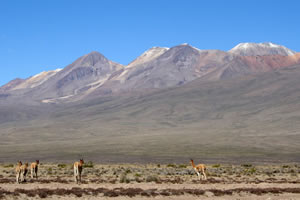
(241, 108)
(260, 49)
(157, 68)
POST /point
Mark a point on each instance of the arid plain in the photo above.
(155, 181)
(237, 112)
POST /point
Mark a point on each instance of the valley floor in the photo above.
(155, 181)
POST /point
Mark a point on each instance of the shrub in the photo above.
(252, 170)
(8, 166)
(152, 179)
(124, 179)
(89, 164)
(294, 174)
(138, 180)
(49, 170)
(171, 165)
(246, 165)
(269, 173)
(216, 166)
(62, 165)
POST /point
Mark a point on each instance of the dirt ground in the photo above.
(155, 181)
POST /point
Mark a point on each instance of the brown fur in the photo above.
(78, 170)
(21, 171)
(18, 171)
(34, 169)
(199, 169)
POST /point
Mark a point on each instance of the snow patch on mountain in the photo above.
(259, 49)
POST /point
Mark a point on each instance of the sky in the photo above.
(42, 35)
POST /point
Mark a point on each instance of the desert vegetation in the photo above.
(153, 180)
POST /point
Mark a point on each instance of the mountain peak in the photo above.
(184, 44)
(250, 45)
(91, 59)
(149, 55)
(187, 45)
(96, 53)
(265, 48)
(184, 48)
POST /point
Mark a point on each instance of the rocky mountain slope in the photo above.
(86, 73)
(164, 105)
(247, 118)
(158, 68)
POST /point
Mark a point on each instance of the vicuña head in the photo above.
(81, 161)
(37, 162)
(192, 162)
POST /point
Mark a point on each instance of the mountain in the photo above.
(93, 75)
(35, 80)
(242, 119)
(243, 65)
(148, 55)
(171, 67)
(82, 76)
(181, 64)
(271, 62)
(161, 107)
(259, 49)
(11, 84)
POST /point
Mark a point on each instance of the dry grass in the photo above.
(132, 192)
(145, 180)
(134, 173)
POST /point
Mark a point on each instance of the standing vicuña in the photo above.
(21, 171)
(77, 170)
(18, 171)
(199, 169)
(34, 169)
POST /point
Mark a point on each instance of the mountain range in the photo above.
(239, 105)
(93, 74)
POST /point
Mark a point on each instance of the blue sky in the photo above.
(41, 35)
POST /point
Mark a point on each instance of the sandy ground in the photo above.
(116, 182)
(186, 197)
(146, 186)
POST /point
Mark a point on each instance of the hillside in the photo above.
(247, 118)
(93, 75)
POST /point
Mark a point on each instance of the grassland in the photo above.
(159, 181)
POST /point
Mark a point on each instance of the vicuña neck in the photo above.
(193, 164)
